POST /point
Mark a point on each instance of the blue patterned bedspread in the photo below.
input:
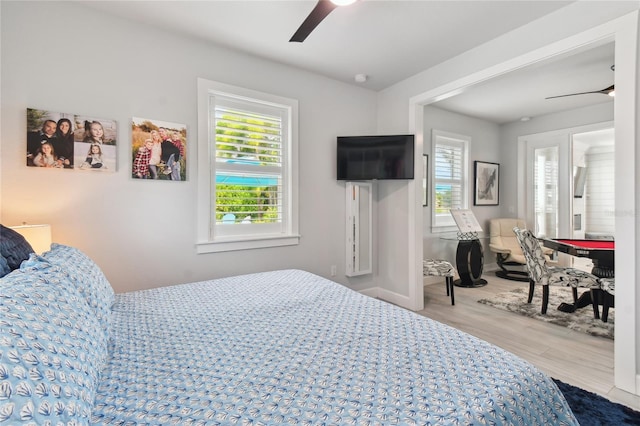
(291, 347)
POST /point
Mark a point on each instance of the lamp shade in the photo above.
(38, 236)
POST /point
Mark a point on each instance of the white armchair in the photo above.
(503, 242)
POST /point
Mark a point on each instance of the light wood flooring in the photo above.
(573, 357)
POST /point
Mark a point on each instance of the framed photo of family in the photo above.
(158, 150)
(61, 140)
(487, 183)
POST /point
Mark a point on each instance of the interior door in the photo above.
(547, 184)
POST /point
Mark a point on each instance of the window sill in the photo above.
(443, 229)
(247, 243)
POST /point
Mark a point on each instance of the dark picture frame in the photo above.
(487, 184)
(425, 180)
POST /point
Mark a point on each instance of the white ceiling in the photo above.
(389, 41)
(522, 93)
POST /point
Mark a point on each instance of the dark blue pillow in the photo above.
(13, 247)
(4, 267)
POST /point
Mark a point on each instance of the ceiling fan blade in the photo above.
(319, 12)
(572, 94)
(603, 91)
(608, 90)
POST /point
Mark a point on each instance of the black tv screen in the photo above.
(375, 157)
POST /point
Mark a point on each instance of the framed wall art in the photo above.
(487, 183)
(70, 141)
(158, 150)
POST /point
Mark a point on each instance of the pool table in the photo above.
(600, 251)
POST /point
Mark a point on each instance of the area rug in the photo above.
(581, 320)
(593, 410)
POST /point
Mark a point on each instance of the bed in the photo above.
(280, 347)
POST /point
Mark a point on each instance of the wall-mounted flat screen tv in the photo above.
(375, 157)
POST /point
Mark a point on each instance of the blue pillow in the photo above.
(4, 266)
(86, 276)
(13, 247)
(52, 348)
(58, 276)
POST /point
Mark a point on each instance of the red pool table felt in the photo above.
(589, 244)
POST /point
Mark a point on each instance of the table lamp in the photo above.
(38, 236)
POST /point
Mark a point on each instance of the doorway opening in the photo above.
(623, 31)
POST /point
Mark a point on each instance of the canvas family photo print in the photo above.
(158, 150)
(70, 141)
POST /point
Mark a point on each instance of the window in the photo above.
(247, 174)
(450, 176)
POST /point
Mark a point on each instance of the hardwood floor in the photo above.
(573, 357)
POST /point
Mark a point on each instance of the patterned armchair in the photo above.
(605, 295)
(503, 242)
(541, 273)
(440, 268)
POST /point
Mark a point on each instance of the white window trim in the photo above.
(441, 223)
(207, 241)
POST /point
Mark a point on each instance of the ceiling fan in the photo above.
(319, 12)
(611, 91)
(607, 91)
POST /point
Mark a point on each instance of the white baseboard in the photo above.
(399, 299)
(371, 292)
(395, 298)
(387, 296)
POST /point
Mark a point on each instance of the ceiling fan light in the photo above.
(612, 93)
(342, 2)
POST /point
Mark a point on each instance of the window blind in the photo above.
(449, 174)
(249, 159)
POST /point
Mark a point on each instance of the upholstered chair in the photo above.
(503, 242)
(605, 295)
(544, 275)
(440, 268)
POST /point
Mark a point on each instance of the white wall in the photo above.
(600, 194)
(62, 56)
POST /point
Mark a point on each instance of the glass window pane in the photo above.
(545, 199)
